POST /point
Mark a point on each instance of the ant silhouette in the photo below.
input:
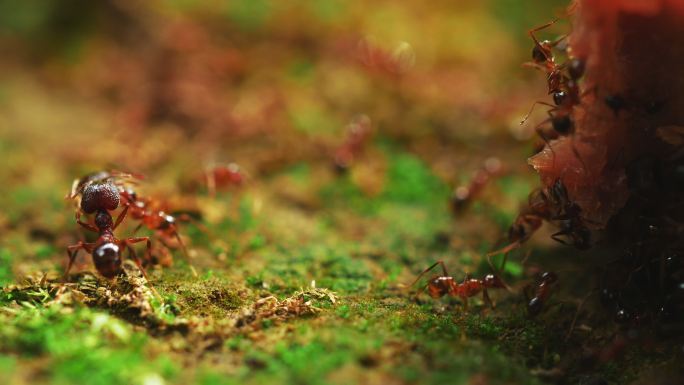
(99, 195)
(441, 285)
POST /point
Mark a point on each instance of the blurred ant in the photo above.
(99, 195)
(542, 293)
(222, 176)
(464, 195)
(441, 285)
(358, 135)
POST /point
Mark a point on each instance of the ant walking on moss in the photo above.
(99, 195)
(441, 285)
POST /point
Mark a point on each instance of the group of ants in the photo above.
(101, 193)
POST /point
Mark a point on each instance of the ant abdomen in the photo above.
(100, 197)
(107, 259)
(535, 306)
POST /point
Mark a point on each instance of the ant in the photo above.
(222, 176)
(551, 204)
(542, 294)
(99, 195)
(562, 84)
(358, 134)
(463, 195)
(441, 285)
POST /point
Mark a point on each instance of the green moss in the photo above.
(206, 297)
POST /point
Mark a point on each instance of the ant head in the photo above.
(576, 68)
(560, 97)
(562, 124)
(541, 52)
(166, 220)
(131, 194)
(100, 196)
(440, 286)
(535, 305)
(549, 277)
(103, 220)
(492, 280)
(107, 259)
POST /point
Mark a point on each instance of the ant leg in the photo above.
(121, 217)
(486, 299)
(505, 250)
(131, 252)
(428, 269)
(148, 256)
(73, 252)
(532, 109)
(87, 226)
(577, 155)
(185, 252)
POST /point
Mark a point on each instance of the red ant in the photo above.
(358, 134)
(441, 285)
(99, 195)
(463, 195)
(222, 176)
(542, 294)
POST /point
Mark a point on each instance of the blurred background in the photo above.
(169, 89)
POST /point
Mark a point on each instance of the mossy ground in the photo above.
(223, 326)
(302, 272)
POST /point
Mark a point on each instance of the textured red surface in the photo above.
(633, 49)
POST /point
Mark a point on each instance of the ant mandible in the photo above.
(542, 294)
(441, 285)
(99, 195)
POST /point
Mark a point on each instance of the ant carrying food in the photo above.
(441, 285)
(542, 293)
(99, 195)
(464, 195)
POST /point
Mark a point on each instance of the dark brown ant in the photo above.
(99, 196)
(551, 204)
(464, 195)
(441, 285)
(358, 134)
(542, 293)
